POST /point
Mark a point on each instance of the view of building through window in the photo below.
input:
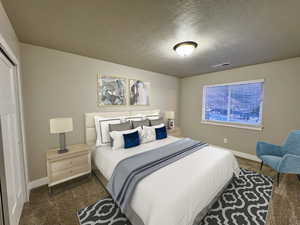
(235, 103)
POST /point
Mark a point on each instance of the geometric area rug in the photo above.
(244, 202)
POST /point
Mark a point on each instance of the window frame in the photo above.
(234, 124)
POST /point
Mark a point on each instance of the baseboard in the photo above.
(38, 183)
(246, 156)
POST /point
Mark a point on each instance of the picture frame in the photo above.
(111, 90)
(139, 92)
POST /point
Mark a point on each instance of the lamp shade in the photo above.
(61, 125)
(170, 115)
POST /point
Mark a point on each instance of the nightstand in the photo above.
(66, 166)
(176, 132)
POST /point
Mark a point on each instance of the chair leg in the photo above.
(261, 165)
(278, 177)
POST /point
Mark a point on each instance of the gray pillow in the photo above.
(120, 126)
(156, 122)
(141, 123)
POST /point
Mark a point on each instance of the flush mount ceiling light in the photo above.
(185, 48)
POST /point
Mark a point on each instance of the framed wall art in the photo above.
(111, 91)
(139, 92)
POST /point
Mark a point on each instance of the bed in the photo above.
(178, 194)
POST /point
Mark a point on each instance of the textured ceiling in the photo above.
(142, 33)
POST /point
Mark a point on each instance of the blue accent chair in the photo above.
(283, 159)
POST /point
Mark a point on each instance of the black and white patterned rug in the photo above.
(244, 202)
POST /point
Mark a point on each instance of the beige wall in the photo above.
(7, 32)
(58, 84)
(281, 110)
(62, 84)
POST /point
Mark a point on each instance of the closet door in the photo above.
(1, 209)
(11, 137)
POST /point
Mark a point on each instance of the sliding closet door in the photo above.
(1, 213)
(11, 137)
(3, 193)
(1, 208)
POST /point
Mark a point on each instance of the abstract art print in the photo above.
(139, 92)
(111, 91)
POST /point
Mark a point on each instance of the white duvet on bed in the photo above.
(175, 194)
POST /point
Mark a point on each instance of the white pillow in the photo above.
(102, 128)
(148, 133)
(118, 138)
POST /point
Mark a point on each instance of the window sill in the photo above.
(240, 126)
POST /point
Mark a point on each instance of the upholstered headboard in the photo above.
(90, 130)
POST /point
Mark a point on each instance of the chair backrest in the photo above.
(292, 143)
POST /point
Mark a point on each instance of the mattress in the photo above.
(175, 194)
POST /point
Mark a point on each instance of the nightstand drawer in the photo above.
(81, 169)
(80, 160)
(61, 175)
(69, 163)
(61, 165)
(64, 174)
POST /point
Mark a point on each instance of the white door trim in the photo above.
(4, 45)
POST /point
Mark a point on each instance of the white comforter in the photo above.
(175, 194)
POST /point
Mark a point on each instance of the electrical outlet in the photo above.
(225, 140)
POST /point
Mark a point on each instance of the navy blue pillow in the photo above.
(131, 139)
(161, 133)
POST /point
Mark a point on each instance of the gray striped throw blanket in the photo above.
(133, 169)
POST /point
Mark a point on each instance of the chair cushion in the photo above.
(292, 143)
(272, 161)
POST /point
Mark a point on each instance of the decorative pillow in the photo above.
(121, 126)
(131, 139)
(161, 133)
(138, 117)
(153, 116)
(102, 129)
(118, 139)
(156, 122)
(141, 123)
(148, 133)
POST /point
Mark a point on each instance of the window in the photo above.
(239, 103)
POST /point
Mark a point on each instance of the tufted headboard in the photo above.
(90, 131)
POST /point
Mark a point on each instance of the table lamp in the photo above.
(61, 126)
(170, 116)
